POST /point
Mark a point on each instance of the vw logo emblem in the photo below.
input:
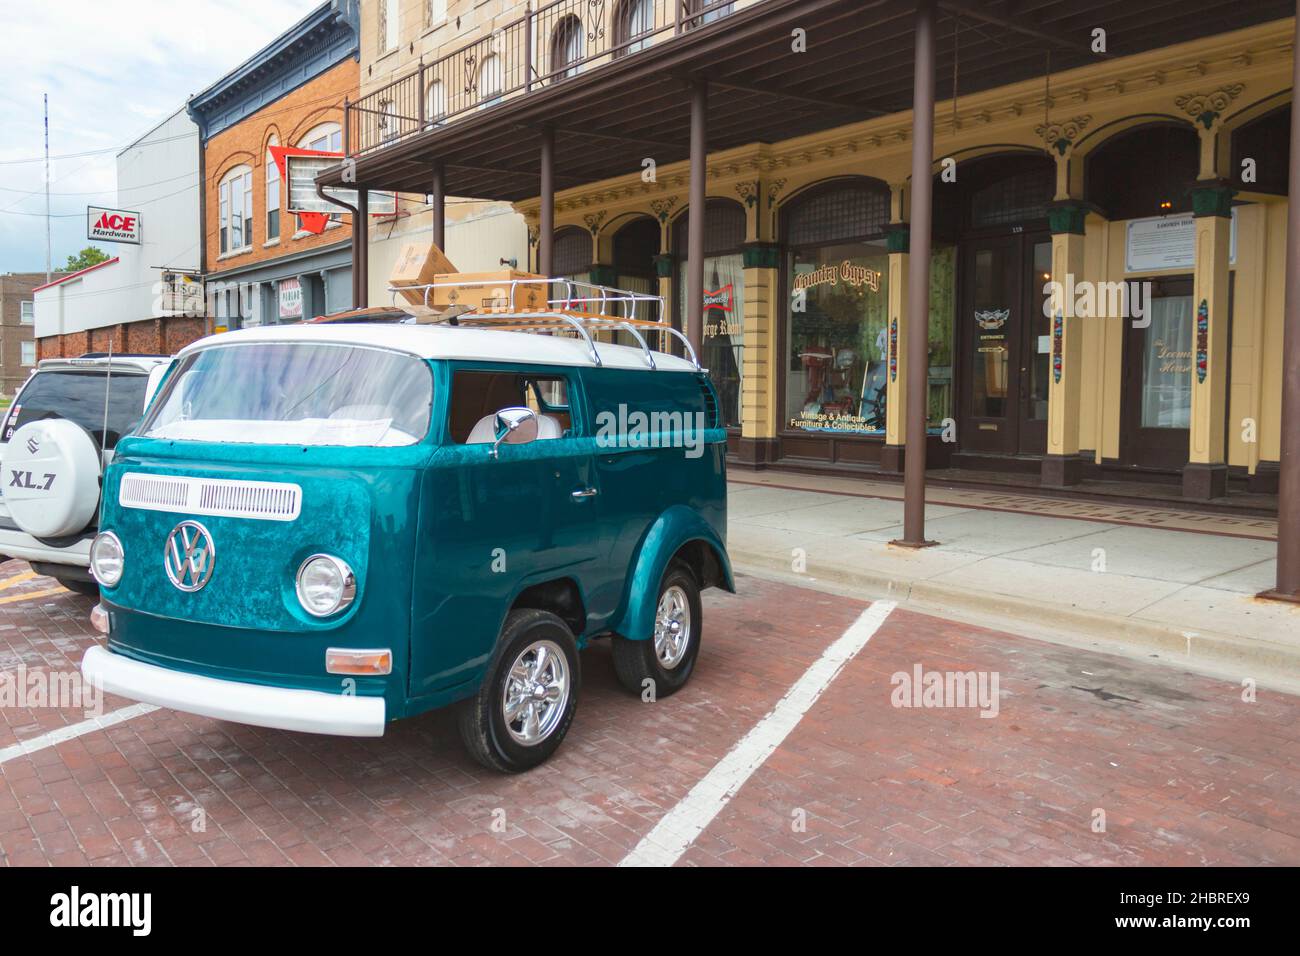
(188, 556)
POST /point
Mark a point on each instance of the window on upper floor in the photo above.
(28, 313)
(236, 210)
(272, 192)
(566, 47)
(29, 353)
(435, 103)
(489, 80)
(633, 22)
(435, 11)
(388, 24)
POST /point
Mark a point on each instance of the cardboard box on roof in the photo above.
(419, 263)
(501, 290)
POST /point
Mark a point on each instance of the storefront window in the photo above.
(724, 297)
(839, 338)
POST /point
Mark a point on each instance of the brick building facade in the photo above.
(261, 265)
(16, 328)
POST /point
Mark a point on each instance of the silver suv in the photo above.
(54, 446)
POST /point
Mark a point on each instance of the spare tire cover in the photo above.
(51, 477)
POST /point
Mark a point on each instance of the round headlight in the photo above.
(107, 559)
(325, 585)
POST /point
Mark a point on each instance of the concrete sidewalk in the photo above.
(1185, 597)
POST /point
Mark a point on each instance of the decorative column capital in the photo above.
(1059, 135)
(662, 208)
(1067, 218)
(760, 255)
(1212, 198)
(1206, 108)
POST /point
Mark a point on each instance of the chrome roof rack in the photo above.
(584, 308)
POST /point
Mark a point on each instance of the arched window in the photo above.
(843, 211)
(1266, 141)
(566, 47)
(1144, 172)
(633, 22)
(235, 194)
(327, 137)
(272, 191)
(489, 80)
(435, 103)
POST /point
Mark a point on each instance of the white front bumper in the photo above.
(309, 711)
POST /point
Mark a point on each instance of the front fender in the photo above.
(674, 528)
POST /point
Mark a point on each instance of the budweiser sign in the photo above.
(718, 298)
(112, 225)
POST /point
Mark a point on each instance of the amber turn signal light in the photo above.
(364, 663)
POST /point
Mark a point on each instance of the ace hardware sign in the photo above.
(112, 225)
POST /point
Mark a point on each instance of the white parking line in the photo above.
(55, 737)
(679, 828)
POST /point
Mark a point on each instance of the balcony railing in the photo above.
(545, 46)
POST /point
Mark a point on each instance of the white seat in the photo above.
(484, 431)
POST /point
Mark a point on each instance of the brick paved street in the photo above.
(1184, 770)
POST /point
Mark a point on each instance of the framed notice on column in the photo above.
(1166, 242)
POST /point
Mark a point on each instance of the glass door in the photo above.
(991, 317)
(1158, 364)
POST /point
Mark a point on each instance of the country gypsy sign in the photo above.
(848, 272)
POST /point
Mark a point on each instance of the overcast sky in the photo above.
(113, 70)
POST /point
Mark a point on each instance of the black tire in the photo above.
(483, 725)
(85, 588)
(635, 662)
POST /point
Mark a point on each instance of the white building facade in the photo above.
(148, 296)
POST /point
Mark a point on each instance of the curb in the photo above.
(1226, 655)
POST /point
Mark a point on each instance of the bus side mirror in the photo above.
(519, 422)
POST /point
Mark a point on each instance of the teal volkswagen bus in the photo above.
(327, 527)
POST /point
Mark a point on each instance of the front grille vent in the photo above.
(267, 500)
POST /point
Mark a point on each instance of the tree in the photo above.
(87, 257)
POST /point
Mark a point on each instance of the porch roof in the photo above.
(617, 111)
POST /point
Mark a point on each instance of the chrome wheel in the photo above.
(536, 693)
(672, 627)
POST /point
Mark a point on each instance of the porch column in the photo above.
(695, 224)
(918, 272)
(546, 224)
(1206, 473)
(1288, 504)
(896, 240)
(1062, 465)
(361, 251)
(760, 405)
(439, 202)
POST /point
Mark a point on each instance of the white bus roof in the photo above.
(451, 342)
